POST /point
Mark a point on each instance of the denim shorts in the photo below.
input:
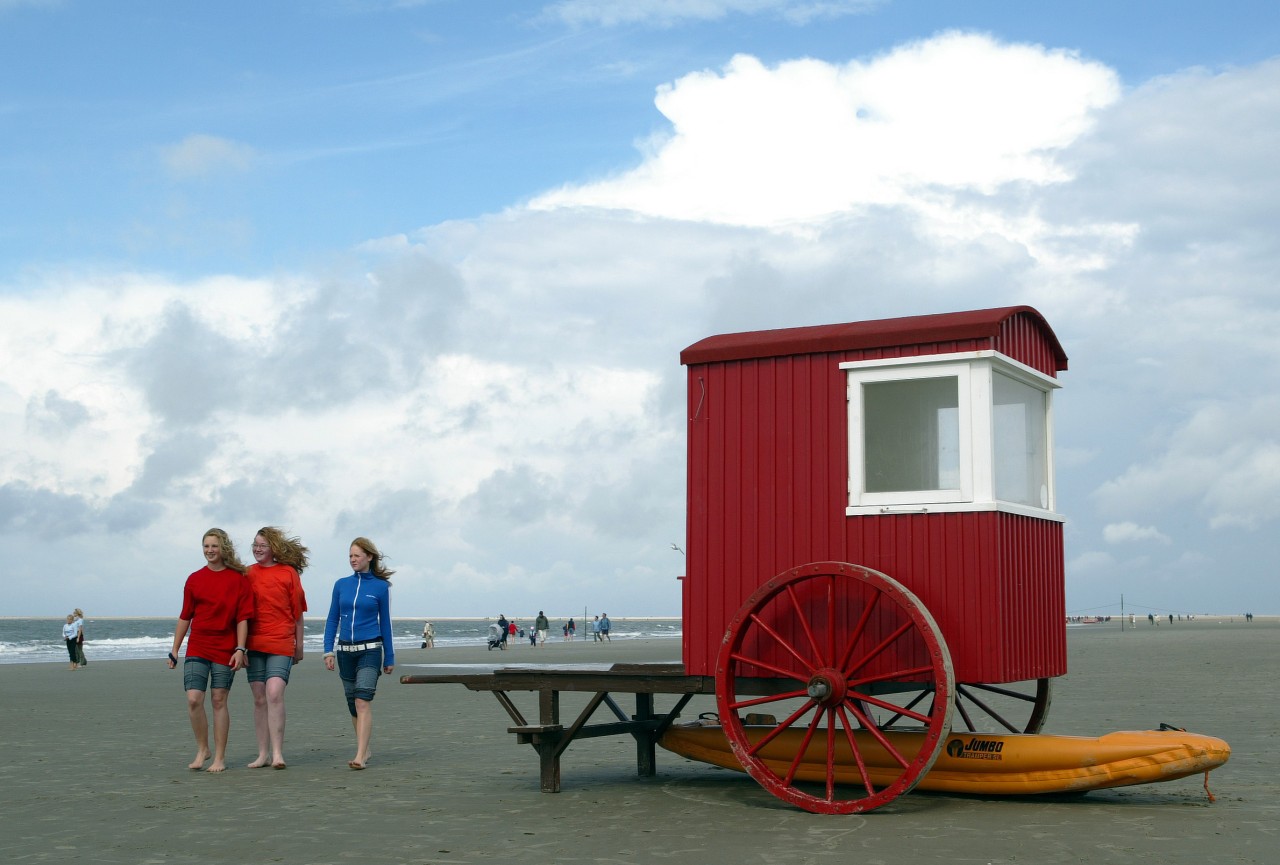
(263, 666)
(197, 673)
(359, 672)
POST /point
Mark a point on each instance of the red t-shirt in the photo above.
(278, 603)
(214, 602)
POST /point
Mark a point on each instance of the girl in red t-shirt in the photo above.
(217, 605)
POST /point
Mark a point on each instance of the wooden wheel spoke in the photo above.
(964, 716)
(884, 644)
(781, 671)
(781, 641)
(900, 711)
(858, 630)
(970, 697)
(789, 780)
(877, 735)
(893, 676)
(856, 751)
(776, 731)
(1004, 692)
(831, 754)
(804, 623)
(771, 698)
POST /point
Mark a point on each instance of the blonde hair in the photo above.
(285, 550)
(229, 557)
(376, 565)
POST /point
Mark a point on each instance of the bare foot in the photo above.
(201, 756)
(217, 766)
(278, 764)
(260, 762)
(355, 764)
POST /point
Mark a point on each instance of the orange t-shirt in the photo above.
(278, 603)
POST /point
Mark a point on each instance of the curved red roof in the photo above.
(881, 333)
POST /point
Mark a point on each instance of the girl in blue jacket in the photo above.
(360, 621)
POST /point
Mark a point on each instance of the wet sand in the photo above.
(96, 772)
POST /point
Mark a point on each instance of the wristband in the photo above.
(172, 659)
(330, 654)
(241, 649)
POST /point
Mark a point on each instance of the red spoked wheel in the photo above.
(823, 648)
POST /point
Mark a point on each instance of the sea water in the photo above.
(30, 641)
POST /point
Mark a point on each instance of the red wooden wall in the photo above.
(767, 491)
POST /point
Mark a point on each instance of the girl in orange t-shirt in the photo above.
(275, 635)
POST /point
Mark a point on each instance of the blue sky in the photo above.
(422, 271)
(360, 119)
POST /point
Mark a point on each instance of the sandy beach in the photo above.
(96, 772)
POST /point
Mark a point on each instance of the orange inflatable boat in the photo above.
(978, 763)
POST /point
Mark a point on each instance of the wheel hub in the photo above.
(827, 687)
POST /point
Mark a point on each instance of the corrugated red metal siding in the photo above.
(1021, 339)
(768, 474)
(771, 437)
(992, 581)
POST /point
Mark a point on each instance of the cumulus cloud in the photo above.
(198, 156)
(1224, 462)
(498, 402)
(761, 146)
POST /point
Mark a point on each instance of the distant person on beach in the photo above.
(573, 629)
(541, 626)
(360, 620)
(605, 625)
(69, 633)
(595, 630)
(275, 636)
(502, 630)
(217, 604)
(79, 617)
(428, 636)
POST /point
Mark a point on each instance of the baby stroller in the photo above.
(495, 637)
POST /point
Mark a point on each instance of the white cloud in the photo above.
(203, 155)
(1126, 532)
(1224, 462)
(664, 13)
(498, 401)
(763, 146)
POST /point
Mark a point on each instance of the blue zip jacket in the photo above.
(359, 611)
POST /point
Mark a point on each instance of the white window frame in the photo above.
(973, 372)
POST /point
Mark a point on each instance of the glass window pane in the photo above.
(911, 435)
(1021, 449)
